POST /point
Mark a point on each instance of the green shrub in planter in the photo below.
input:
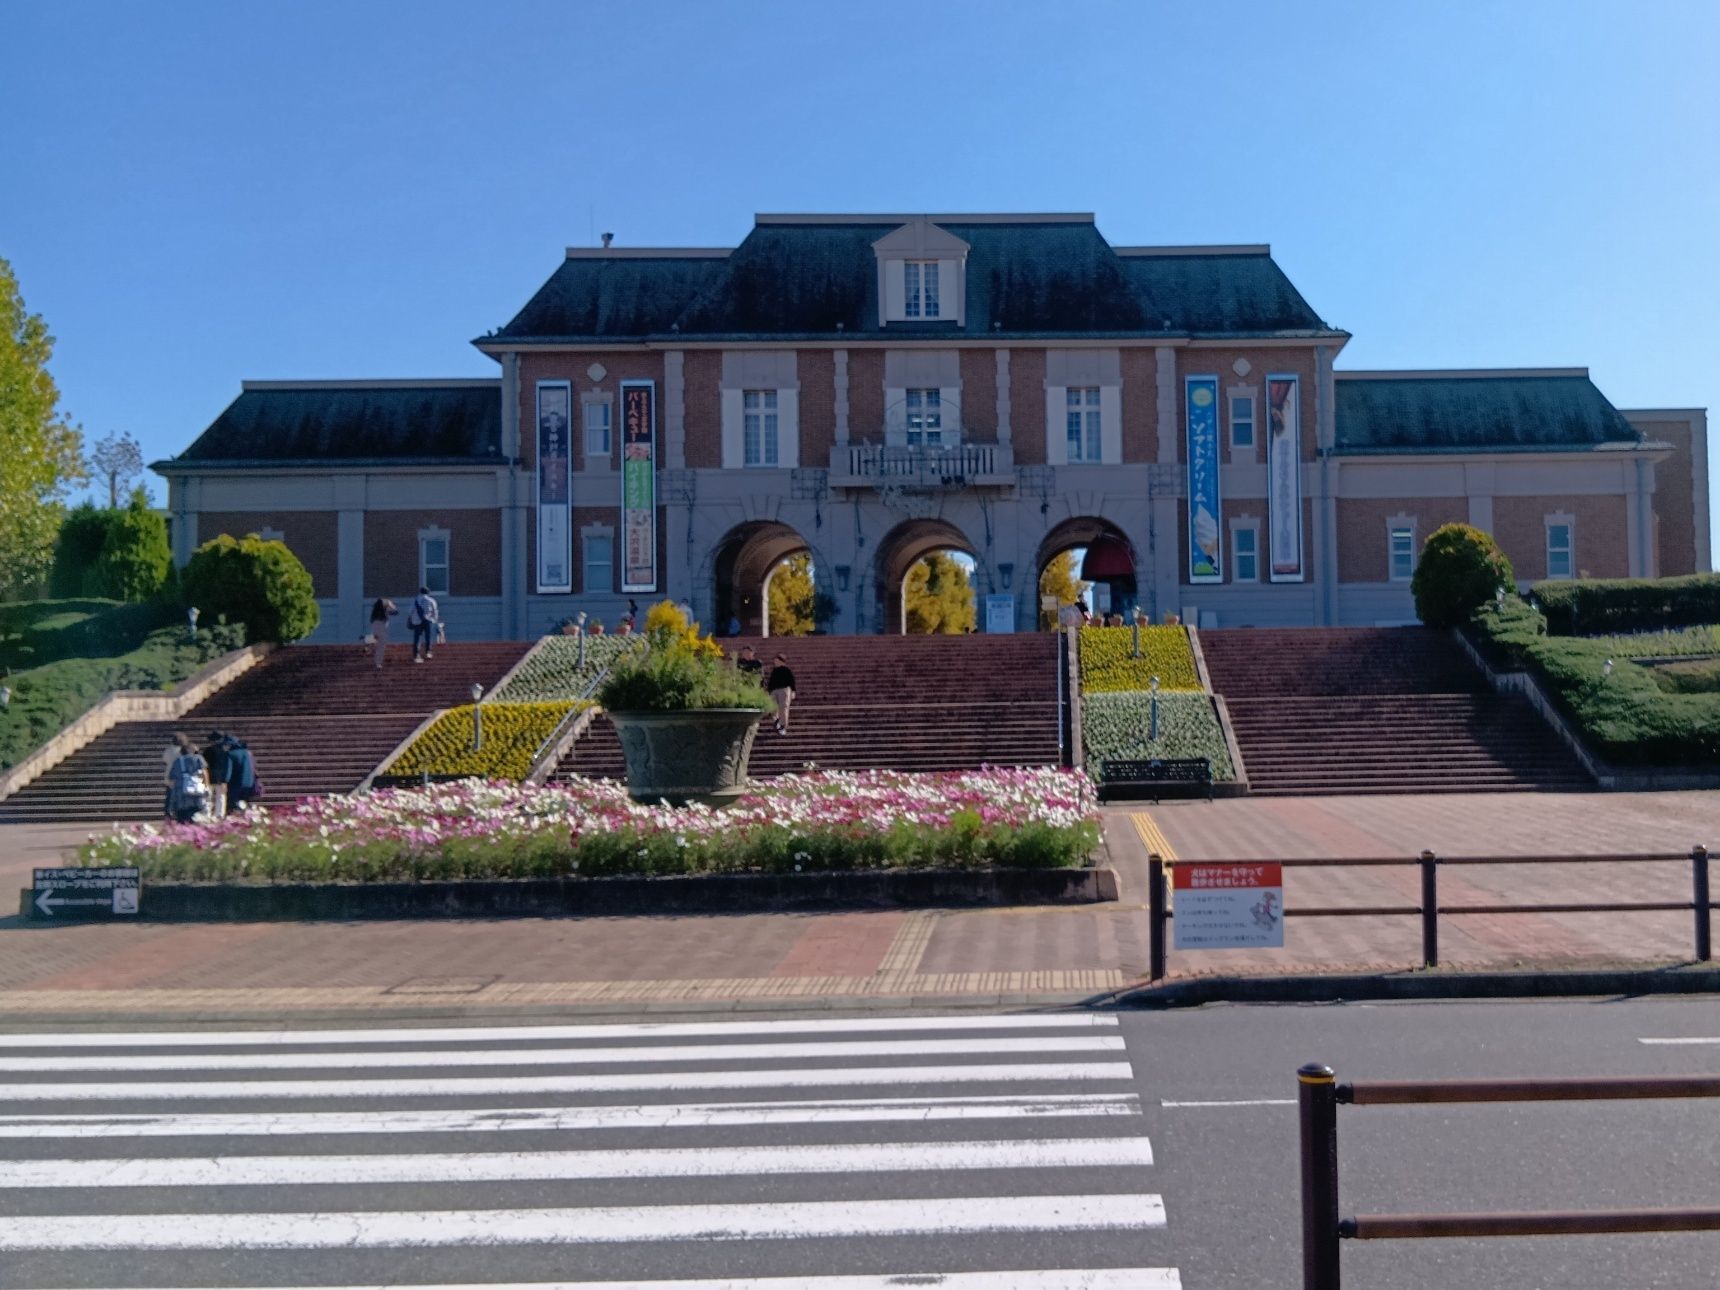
(680, 671)
(258, 583)
(1461, 568)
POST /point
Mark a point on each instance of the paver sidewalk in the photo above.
(907, 955)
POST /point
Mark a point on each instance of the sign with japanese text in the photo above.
(1228, 906)
(639, 486)
(554, 486)
(1284, 476)
(1205, 550)
(999, 613)
(85, 893)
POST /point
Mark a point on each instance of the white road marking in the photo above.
(565, 1056)
(512, 1166)
(636, 1223)
(507, 1085)
(1061, 1279)
(1257, 1101)
(521, 1034)
(1681, 1040)
(558, 1118)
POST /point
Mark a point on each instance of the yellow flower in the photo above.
(512, 734)
(1107, 662)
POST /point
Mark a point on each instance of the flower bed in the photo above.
(1107, 663)
(513, 732)
(1030, 818)
(1114, 726)
(552, 672)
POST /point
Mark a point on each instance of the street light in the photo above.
(191, 617)
(579, 631)
(477, 717)
(1606, 669)
(1153, 721)
(1135, 628)
(5, 698)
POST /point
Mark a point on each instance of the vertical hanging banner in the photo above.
(554, 486)
(1205, 551)
(1284, 476)
(639, 485)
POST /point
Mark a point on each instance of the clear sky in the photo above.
(197, 193)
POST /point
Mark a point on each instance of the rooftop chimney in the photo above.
(607, 239)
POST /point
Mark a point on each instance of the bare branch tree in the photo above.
(118, 459)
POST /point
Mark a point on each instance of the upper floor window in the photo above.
(1401, 542)
(433, 562)
(925, 417)
(1082, 422)
(759, 427)
(920, 288)
(1242, 421)
(1560, 560)
(597, 430)
(1245, 553)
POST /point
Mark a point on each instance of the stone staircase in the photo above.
(318, 719)
(913, 703)
(1377, 710)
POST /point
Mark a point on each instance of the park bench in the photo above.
(1135, 778)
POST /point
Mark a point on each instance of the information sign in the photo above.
(85, 893)
(999, 614)
(1228, 906)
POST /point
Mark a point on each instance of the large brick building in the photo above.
(872, 388)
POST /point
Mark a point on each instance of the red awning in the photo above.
(1107, 558)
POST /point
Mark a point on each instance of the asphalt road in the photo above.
(1096, 1151)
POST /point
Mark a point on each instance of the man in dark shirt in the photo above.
(749, 664)
(781, 686)
(220, 769)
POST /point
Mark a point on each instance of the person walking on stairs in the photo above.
(380, 613)
(781, 686)
(424, 620)
(749, 664)
(219, 762)
(242, 783)
(187, 783)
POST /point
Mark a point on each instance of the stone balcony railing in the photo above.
(956, 466)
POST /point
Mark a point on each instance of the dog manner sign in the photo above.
(69, 894)
(1228, 906)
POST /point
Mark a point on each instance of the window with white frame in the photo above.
(1400, 549)
(759, 428)
(599, 563)
(433, 561)
(1242, 421)
(925, 417)
(1082, 422)
(1245, 553)
(1561, 560)
(597, 423)
(920, 288)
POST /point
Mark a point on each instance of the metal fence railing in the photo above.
(1324, 1230)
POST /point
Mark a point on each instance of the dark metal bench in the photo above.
(1136, 778)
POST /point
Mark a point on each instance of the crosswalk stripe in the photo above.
(921, 1216)
(635, 1082)
(523, 1034)
(515, 1166)
(556, 1118)
(565, 1056)
(1055, 1279)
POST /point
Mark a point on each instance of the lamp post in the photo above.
(579, 630)
(1153, 718)
(1606, 669)
(191, 618)
(5, 698)
(1135, 628)
(477, 716)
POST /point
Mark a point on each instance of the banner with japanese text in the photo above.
(639, 486)
(554, 486)
(1205, 550)
(1284, 476)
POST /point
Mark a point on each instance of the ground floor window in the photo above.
(1561, 561)
(433, 561)
(1245, 553)
(1401, 546)
(599, 562)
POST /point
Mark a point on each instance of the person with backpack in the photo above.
(424, 620)
(187, 783)
(243, 786)
(380, 613)
(220, 767)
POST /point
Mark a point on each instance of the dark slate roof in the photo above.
(1035, 278)
(347, 423)
(1461, 412)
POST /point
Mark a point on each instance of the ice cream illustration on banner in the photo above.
(1205, 540)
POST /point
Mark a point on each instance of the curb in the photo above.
(1413, 984)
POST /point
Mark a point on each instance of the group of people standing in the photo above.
(425, 620)
(212, 780)
(779, 683)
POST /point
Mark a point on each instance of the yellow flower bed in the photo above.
(513, 732)
(1106, 664)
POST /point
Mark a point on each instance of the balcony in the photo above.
(922, 469)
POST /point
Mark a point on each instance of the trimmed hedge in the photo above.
(1460, 569)
(1107, 663)
(1114, 726)
(1629, 604)
(513, 732)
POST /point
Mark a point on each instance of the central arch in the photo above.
(902, 548)
(745, 559)
(1107, 563)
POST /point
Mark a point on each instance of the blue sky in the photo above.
(193, 194)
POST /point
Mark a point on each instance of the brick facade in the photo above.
(310, 535)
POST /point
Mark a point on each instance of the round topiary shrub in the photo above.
(1461, 568)
(257, 583)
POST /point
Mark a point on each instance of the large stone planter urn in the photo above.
(678, 757)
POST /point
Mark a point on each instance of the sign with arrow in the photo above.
(73, 894)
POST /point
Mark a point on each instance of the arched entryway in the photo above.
(746, 559)
(947, 559)
(1102, 568)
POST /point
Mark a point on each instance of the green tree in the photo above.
(793, 596)
(1460, 569)
(40, 451)
(77, 547)
(260, 584)
(135, 560)
(937, 597)
(1059, 579)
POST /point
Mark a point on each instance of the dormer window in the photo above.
(920, 288)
